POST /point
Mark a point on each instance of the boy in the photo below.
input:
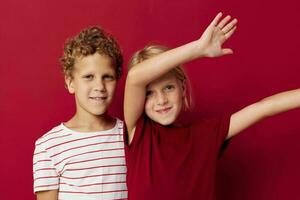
(83, 158)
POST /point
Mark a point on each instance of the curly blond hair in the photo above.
(153, 50)
(87, 42)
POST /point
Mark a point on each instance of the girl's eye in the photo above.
(149, 93)
(169, 87)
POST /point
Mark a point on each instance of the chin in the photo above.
(164, 122)
(99, 112)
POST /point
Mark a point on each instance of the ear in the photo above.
(69, 84)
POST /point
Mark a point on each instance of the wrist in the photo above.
(198, 49)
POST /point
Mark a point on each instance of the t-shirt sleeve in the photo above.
(223, 123)
(223, 133)
(45, 176)
(217, 130)
(138, 133)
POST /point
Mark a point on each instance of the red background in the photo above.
(262, 163)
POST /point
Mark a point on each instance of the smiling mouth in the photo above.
(164, 110)
(98, 98)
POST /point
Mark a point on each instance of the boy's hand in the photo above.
(215, 35)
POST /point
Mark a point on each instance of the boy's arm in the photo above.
(47, 195)
(46, 179)
(139, 76)
(267, 107)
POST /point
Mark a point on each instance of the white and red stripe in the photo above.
(81, 165)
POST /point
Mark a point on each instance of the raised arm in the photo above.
(139, 76)
(267, 107)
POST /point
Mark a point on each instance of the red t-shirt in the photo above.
(176, 163)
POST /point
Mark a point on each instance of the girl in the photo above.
(165, 161)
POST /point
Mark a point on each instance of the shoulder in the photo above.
(144, 126)
(120, 123)
(55, 132)
(212, 123)
(212, 119)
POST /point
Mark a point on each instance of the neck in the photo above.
(88, 122)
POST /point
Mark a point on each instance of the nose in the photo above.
(99, 85)
(161, 98)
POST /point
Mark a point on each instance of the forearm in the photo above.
(209, 44)
(282, 102)
(260, 110)
(47, 195)
(147, 71)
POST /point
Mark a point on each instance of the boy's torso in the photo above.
(90, 165)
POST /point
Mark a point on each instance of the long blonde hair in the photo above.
(153, 50)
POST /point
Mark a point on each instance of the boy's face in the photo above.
(164, 99)
(94, 82)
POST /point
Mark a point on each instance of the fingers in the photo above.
(216, 19)
(223, 22)
(227, 51)
(229, 34)
(226, 27)
(229, 26)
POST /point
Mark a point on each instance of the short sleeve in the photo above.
(140, 126)
(215, 131)
(223, 123)
(45, 176)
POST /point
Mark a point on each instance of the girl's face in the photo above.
(164, 99)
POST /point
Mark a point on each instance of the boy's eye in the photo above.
(108, 77)
(88, 77)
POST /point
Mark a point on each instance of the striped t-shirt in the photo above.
(81, 165)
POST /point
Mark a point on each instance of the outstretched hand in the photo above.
(216, 34)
